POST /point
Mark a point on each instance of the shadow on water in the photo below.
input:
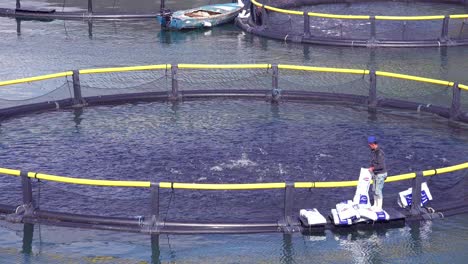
(28, 231)
(155, 250)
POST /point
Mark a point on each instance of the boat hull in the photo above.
(204, 16)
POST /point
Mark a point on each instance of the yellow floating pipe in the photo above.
(458, 167)
(279, 10)
(285, 11)
(463, 87)
(125, 69)
(336, 184)
(458, 16)
(10, 172)
(88, 181)
(224, 66)
(336, 16)
(413, 78)
(401, 177)
(37, 78)
(322, 69)
(437, 17)
(234, 186)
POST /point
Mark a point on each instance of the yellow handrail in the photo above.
(360, 17)
(463, 87)
(222, 186)
(334, 16)
(438, 17)
(125, 69)
(322, 69)
(37, 78)
(459, 16)
(223, 66)
(413, 78)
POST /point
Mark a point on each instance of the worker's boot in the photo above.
(376, 203)
(378, 208)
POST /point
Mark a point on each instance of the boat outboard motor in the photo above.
(166, 17)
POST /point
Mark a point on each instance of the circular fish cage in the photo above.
(136, 156)
(341, 23)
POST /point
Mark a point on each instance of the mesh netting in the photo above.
(414, 92)
(324, 82)
(224, 79)
(458, 29)
(36, 92)
(125, 82)
(408, 30)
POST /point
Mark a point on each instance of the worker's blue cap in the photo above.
(371, 139)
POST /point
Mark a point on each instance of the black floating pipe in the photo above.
(90, 6)
(220, 225)
(455, 107)
(416, 195)
(372, 103)
(89, 219)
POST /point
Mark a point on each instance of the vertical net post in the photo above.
(275, 72)
(455, 107)
(275, 92)
(18, 4)
(265, 18)
(288, 204)
(445, 25)
(373, 34)
(416, 195)
(252, 13)
(306, 25)
(175, 83)
(90, 6)
(162, 6)
(26, 187)
(372, 103)
(77, 97)
(154, 222)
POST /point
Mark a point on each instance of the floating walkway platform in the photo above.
(50, 14)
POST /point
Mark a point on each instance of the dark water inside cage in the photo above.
(220, 141)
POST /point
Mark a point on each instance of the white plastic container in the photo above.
(405, 198)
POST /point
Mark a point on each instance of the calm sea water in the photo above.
(242, 141)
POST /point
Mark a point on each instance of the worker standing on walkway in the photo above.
(378, 171)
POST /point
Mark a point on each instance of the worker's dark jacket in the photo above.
(378, 161)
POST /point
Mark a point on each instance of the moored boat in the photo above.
(204, 16)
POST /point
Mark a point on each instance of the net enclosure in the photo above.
(361, 23)
(165, 82)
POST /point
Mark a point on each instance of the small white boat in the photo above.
(204, 16)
